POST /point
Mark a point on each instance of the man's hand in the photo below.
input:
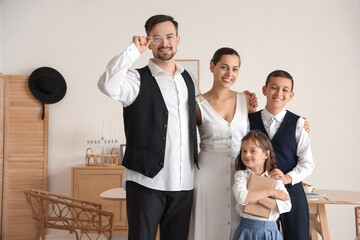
(277, 174)
(142, 43)
(253, 99)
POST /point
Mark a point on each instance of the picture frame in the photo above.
(122, 151)
(192, 66)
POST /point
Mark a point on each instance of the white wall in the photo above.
(316, 41)
(1, 24)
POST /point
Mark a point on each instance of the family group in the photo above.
(201, 196)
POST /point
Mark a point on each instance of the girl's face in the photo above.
(226, 70)
(253, 156)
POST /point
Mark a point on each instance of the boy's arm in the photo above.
(305, 165)
(118, 81)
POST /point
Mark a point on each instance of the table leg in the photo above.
(324, 222)
(318, 222)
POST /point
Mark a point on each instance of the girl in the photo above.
(257, 157)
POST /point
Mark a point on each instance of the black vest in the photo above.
(284, 140)
(145, 123)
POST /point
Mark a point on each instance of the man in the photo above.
(160, 128)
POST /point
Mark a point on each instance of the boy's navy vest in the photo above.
(284, 140)
(145, 122)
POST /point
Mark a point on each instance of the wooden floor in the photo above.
(64, 235)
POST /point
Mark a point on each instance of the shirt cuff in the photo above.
(294, 180)
(133, 52)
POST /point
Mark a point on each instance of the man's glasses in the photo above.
(157, 40)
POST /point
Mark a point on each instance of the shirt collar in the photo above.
(265, 174)
(280, 116)
(156, 70)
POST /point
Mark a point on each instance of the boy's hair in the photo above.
(224, 51)
(280, 73)
(263, 142)
(159, 19)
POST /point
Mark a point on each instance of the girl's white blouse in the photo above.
(240, 191)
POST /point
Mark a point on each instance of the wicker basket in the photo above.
(111, 159)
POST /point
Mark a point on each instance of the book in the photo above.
(259, 183)
(316, 195)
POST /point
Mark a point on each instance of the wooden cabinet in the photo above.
(88, 182)
(23, 154)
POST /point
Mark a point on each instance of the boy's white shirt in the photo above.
(241, 179)
(305, 164)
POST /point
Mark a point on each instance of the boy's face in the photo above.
(278, 92)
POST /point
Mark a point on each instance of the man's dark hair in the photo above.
(159, 19)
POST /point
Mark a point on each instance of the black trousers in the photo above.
(295, 224)
(147, 208)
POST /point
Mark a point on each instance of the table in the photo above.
(116, 194)
(317, 210)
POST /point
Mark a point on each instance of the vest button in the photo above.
(164, 138)
(161, 163)
(165, 113)
(165, 125)
(162, 150)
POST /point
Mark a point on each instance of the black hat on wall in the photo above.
(47, 85)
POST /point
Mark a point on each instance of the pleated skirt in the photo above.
(250, 229)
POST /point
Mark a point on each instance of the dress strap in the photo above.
(199, 98)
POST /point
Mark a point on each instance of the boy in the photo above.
(292, 150)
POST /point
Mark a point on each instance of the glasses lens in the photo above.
(157, 40)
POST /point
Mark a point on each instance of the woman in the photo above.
(222, 118)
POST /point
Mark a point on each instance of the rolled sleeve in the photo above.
(119, 81)
(240, 187)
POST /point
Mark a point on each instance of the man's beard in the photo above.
(165, 57)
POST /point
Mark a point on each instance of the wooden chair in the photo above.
(85, 219)
(357, 222)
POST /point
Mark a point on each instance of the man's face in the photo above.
(166, 49)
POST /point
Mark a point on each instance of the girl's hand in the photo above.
(142, 43)
(277, 174)
(279, 194)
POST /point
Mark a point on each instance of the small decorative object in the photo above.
(308, 188)
(103, 145)
(111, 159)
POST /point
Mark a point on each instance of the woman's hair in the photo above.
(263, 142)
(224, 51)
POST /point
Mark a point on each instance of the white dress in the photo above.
(213, 215)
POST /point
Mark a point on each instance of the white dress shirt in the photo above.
(123, 84)
(305, 164)
(240, 190)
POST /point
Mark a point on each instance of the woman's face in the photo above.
(226, 70)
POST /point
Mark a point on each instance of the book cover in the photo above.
(259, 183)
